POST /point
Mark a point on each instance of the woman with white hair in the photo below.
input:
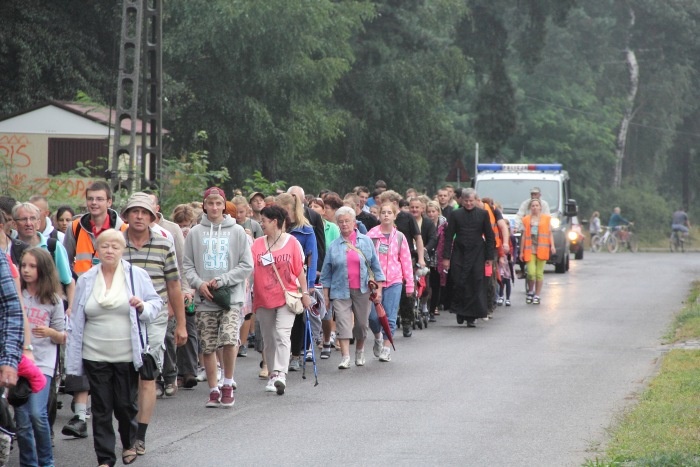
(351, 261)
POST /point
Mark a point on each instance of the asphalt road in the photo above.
(535, 386)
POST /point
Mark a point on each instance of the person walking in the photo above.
(350, 261)
(468, 248)
(538, 244)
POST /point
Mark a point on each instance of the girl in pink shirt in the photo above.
(395, 260)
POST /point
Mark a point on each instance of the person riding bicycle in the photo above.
(680, 222)
(617, 221)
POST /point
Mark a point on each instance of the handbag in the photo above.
(148, 368)
(292, 299)
(222, 297)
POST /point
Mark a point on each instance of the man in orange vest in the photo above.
(501, 233)
(82, 255)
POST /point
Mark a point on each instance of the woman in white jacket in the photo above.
(104, 342)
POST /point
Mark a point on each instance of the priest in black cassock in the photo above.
(469, 242)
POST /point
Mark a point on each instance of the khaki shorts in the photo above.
(218, 328)
(352, 315)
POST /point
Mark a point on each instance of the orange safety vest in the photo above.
(543, 238)
(494, 227)
(84, 247)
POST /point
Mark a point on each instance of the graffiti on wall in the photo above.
(13, 150)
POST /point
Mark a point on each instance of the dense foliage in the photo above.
(336, 93)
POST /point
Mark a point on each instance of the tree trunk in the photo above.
(633, 70)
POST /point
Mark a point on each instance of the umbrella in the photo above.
(381, 313)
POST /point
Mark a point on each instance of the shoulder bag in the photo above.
(293, 299)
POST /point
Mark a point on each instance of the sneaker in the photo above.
(432, 319)
(407, 331)
(251, 341)
(227, 399)
(140, 447)
(309, 355)
(201, 374)
(471, 323)
(536, 300)
(75, 427)
(88, 412)
(295, 364)
(344, 363)
(385, 355)
(507, 302)
(360, 357)
(214, 399)
(170, 390)
(280, 384)
(326, 352)
(499, 302)
(377, 347)
(528, 299)
(242, 351)
(271, 384)
(332, 339)
(159, 389)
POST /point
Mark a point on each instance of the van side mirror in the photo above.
(571, 208)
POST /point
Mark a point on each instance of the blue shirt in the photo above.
(11, 319)
(307, 238)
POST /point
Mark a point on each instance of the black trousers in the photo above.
(406, 304)
(297, 336)
(187, 354)
(114, 389)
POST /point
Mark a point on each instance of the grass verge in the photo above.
(663, 429)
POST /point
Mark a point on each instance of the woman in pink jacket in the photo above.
(395, 260)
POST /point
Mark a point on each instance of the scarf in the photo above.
(112, 298)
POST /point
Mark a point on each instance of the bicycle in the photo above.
(607, 240)
(678, 240)
(626, 239)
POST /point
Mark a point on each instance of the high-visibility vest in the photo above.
(85, 247)
(543, 238)
(494, 227)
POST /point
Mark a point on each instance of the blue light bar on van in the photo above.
(517, 167)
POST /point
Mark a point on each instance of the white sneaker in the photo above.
(295, 364)
(201, 374)
(385, 355)
(271, 384)
(280, 384)
(377, 347)
(360, 357)
(344, 363)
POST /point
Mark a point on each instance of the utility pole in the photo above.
(140, 49)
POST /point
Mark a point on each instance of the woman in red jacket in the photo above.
(536, 247)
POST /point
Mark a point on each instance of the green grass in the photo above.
(663, 429)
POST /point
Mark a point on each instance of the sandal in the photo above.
(536, 300)
(129, 456)
(140, 447)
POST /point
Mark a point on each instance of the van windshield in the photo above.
(511, 193)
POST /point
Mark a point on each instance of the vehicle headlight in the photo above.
(555, 223)
(572, 236)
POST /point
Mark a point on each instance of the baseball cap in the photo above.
(140, 200)
(254, 194)
(534, 189)
(215, 190)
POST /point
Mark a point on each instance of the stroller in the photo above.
(421, 315)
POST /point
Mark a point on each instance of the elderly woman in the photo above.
(350, 262)
(278, 261)
(104, 343)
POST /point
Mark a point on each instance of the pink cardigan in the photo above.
(396, 262)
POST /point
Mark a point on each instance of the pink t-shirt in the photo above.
(267, 292)
(353, 260)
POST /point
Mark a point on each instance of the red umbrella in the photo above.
(381, 313)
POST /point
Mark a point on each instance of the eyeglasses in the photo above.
(99, 200)
(24, 220)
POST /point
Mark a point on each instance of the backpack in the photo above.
(16, 250)
(51, 244)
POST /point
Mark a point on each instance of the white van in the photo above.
(510, 185)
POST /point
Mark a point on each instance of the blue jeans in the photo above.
(390, 299)
(33, 431)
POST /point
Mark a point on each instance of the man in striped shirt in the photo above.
(156, 254)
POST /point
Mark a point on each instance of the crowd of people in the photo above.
(146, 306)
